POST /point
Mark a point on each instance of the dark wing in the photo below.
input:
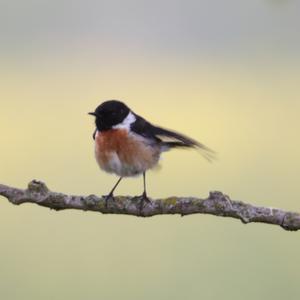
(168, 138)
(145, 129)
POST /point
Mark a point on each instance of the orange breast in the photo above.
(123, 153)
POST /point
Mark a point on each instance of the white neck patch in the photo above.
(126, 122)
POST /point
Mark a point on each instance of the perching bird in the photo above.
(128, 145)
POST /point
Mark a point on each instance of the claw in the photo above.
(143, 198)
(108, 197)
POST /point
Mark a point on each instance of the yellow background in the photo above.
(226, 74)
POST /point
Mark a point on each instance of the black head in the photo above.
(110, 113)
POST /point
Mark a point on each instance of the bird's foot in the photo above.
(108, 197)
(142, 200)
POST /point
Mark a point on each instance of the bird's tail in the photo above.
(177, 140)
(206, 152)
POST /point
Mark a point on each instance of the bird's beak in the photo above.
(92, 113)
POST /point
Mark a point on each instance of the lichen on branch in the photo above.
(216, 203)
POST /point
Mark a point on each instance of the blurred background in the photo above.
(223, 72)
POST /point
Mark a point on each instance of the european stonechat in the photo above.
(128, 145)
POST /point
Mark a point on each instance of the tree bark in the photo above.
(217, 204)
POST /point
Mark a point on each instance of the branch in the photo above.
(216, 204)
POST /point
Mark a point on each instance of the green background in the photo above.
(223, 72)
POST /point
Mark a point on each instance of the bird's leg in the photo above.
(144, 180)
(111, 193)
(144, 197)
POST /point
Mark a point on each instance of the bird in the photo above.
(128, 145)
